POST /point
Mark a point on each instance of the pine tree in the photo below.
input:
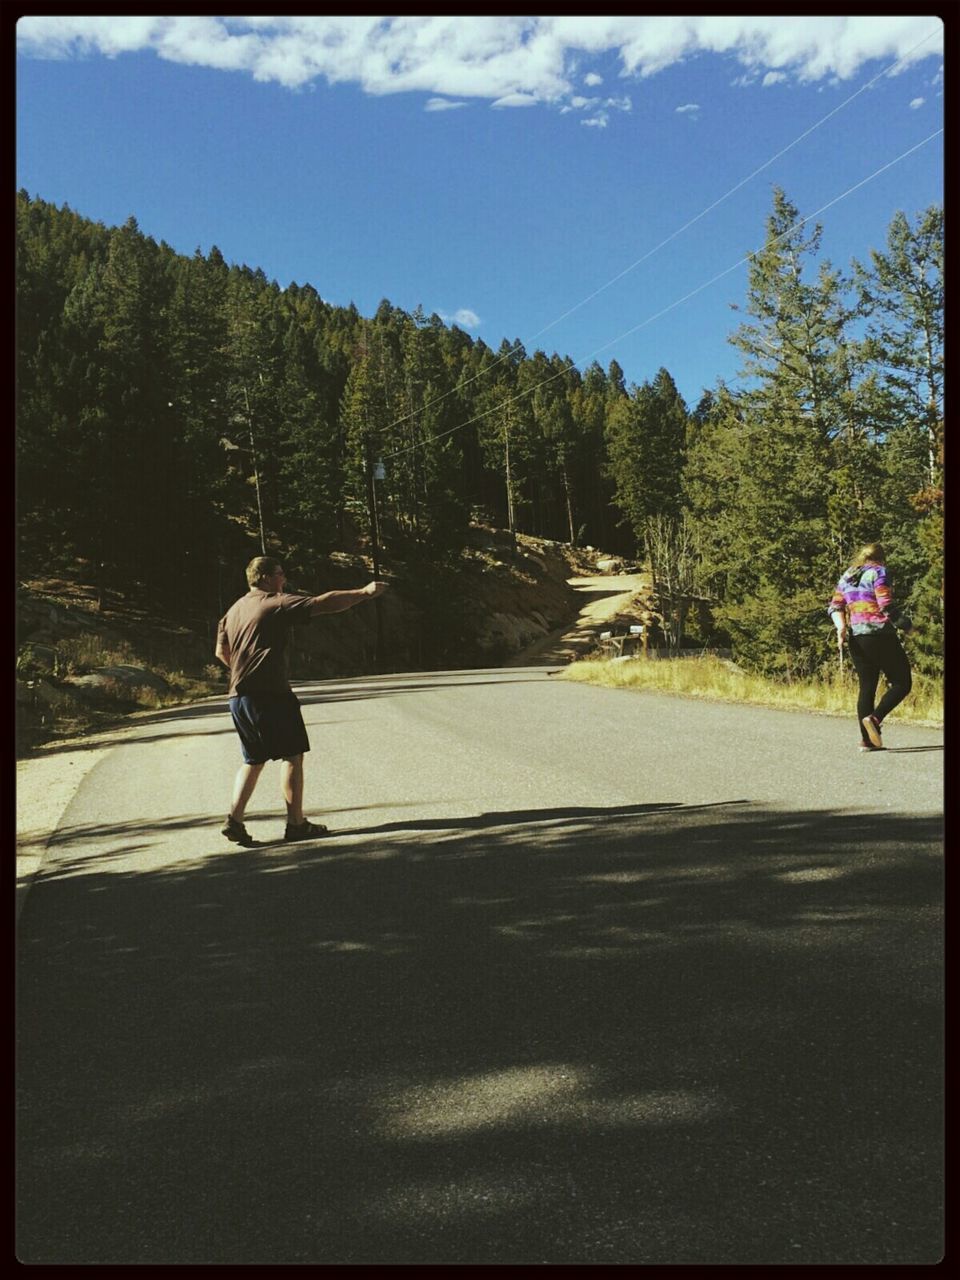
(902, 298)
(436, 462)
(253, 375)
(505, 429)
(587, 397)
(646, 440)
(755, 487)
(197, 337)
(309, 464)
(759, 481)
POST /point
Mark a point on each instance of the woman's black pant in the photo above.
(872, 654)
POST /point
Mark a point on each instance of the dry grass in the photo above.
(65, 712)
(88, 652)
(85, 652)
(720, 681)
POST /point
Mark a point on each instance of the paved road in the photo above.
(584, 976)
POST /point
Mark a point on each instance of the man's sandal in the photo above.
(306, 831)
(238, 833)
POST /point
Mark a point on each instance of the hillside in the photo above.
(87, 656)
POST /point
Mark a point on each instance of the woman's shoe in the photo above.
(871, 727)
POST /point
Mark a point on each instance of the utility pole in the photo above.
(509, 477)
(256, 473)
(374, 472)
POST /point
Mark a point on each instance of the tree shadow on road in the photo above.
(80, 835)
(137, 730)
(653, 1036)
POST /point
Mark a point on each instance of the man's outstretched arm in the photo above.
(339, 601)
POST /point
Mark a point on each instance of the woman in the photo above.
(863, 612)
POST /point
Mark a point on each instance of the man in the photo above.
(251, 642)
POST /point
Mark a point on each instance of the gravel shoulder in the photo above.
(45, 785)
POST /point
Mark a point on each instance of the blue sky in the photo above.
(497, 171)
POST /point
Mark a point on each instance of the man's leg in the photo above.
(291, 783)
(243, 787)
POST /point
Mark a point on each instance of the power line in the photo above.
(686, 226)
(795, 227)
(673, 305)
(735, 189)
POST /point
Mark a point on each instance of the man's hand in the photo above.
(338, 601)
(841, 634)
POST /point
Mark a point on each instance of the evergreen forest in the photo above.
(177, 414)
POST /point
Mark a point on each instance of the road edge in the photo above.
(45, 785)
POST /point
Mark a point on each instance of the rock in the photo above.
(344, 560)
(610, 566)
(511, 632)
(54, 695)
(126, 676)
(63, 620)
(38, 659)
(41, 620)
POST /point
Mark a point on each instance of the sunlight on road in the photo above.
(447, 1197)
(482, 1101)
(537, 1096)
(813, 873)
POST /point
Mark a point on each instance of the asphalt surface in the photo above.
(582, 976)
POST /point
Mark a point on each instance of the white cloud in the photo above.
(917, 102)
(772, 77)
(442, 104)
(516, 100)
(599, 121)
(508, 61)
(688, 107)
(61, 37)
(464, 317)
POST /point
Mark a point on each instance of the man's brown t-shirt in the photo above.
(254, 630)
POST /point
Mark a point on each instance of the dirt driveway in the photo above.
(608, 600)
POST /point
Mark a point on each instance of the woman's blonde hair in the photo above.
(871, 551)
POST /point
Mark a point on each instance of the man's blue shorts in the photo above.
(270, 726)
